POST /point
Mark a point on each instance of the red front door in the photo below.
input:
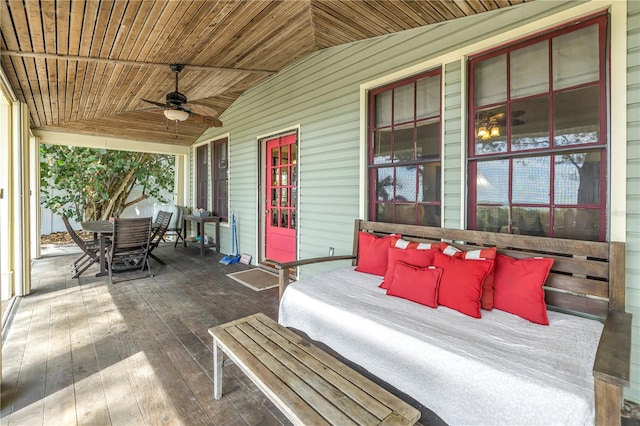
(280, 229)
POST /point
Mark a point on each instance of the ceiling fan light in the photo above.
(482, 132)
(176, 114)
(494, 131)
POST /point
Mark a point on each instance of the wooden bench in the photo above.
(587, 278)
(305, 383)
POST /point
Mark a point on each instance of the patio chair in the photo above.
(90, 250)
(129, 246)
(176, 229)
(163, 219)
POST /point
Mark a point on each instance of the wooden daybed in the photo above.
(587, 279)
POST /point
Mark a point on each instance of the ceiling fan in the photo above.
(178, 108)
(490, 124)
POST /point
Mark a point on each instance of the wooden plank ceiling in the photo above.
(82, 66)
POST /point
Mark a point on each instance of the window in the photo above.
(202, 178)
(219, 183)
(404, 151)
(538, 137)
(219, 178)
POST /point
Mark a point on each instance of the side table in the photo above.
(200, 223)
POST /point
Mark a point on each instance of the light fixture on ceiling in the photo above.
(176, 114)
(483, 133)
(494, 131)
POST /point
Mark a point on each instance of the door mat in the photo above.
(257, 279)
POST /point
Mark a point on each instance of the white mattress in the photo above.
(500, 369)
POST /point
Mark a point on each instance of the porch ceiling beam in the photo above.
(35, 55)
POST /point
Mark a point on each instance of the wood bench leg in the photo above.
(217, 370)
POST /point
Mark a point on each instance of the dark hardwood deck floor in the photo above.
(82, 351)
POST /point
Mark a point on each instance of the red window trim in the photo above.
(372, 168)
(602, 145)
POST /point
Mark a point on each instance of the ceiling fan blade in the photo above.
(206, 120)
(160, 104)
(202, 109)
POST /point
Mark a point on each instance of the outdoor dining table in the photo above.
(102, 229)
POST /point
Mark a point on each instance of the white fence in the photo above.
(51, 222)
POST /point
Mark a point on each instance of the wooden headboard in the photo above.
(587, 277)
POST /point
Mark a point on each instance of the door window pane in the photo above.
(576, 58)
(530, 70)
(531, 180)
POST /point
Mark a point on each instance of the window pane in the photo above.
(491, 81)
(530, 70)
(492, 219)
(406, 213)
(575, 58)
(492, 183)
(577, 178)
(531, 221)
(403, 143)
(577, 224)
(382, 147)
(384, 183)
(384, 213)
(488, 139)
(530, 124)
(428, 215)
(406, 184)
(429, 182)
(531, 180)
(403, 103)
(428, 139)
(428, 97)
(573, 126)
(383, 109)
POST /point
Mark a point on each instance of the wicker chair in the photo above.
(90, 250)
(162, 220)
(130, 246)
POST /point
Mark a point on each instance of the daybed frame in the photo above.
(587, 278)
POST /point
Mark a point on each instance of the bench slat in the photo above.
(326, 368)
(324, 397)
(307, 384)
(292, 405)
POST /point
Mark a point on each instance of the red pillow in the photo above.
(486, 302)
(419, 285)
(372, 252)
(415, 257)
(461, 283)
(518, 287)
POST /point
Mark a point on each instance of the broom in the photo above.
(235, 255)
